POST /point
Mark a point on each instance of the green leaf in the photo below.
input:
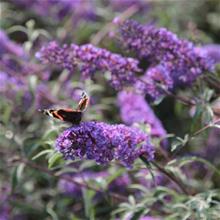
(207, 115)
(32, 82)
(116, 174)
(88, 203)
(50, 134)
(30, 146)
(5, 117)
(14, 179)
(179, 142)
(17, 174)
(54, 159)
(47, 151)
(132, 201)
(20, 170)
(185, 160)
(52, 213)
(139, 187)
(215, 126)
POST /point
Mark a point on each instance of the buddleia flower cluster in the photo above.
(172, 61)
(89, 59)
(103, 143)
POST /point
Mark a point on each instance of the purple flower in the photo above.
(178, 61)
(90, 59)
(213, 52)
(103, 143)
(134, 109)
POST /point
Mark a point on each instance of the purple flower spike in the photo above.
(90, 59)
(181, 60)
(61, 56)
(103, 143)
(134, 109)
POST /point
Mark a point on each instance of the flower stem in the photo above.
(167, 173)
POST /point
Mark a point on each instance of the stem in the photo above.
(213, 81)
(205, 127)
(168, 174)
(184, 100)
(69, 179)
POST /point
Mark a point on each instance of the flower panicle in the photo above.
(175, 61)
(103, 143)
(89, 59)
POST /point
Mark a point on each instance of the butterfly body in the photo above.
(73, 116)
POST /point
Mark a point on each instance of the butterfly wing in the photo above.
(83, 103)
(68, 115)
(72, 116)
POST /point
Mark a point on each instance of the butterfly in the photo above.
(73, 116)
